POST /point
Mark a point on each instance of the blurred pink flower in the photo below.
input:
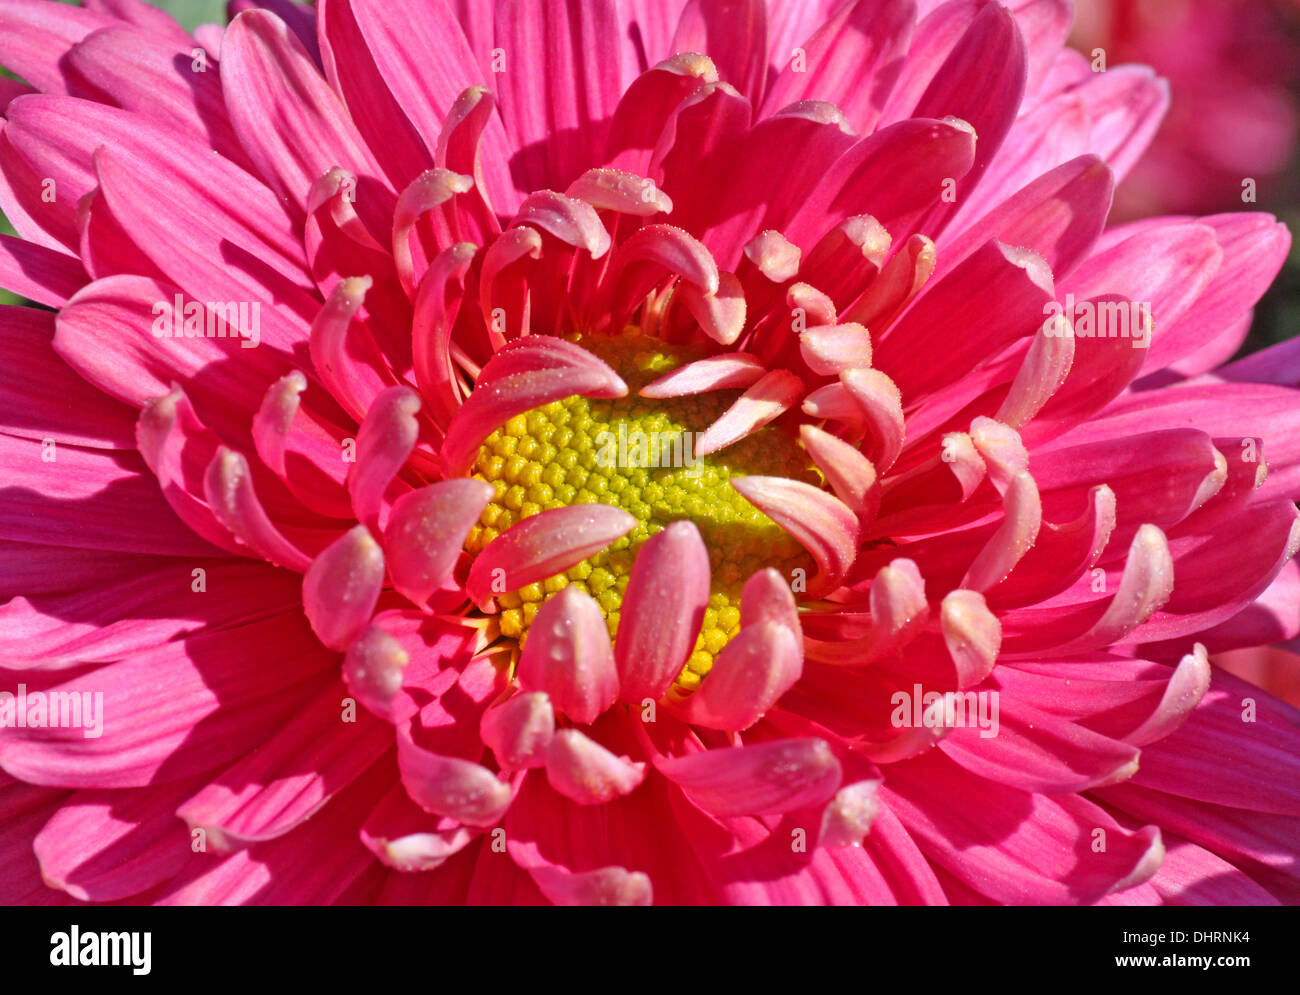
(313, 440)
(1233, 75)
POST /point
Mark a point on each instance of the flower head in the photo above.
(614, 452)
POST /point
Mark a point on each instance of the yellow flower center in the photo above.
(638, 454)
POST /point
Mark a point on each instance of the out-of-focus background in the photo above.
(1233, 68)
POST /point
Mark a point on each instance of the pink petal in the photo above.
(568, 656)
(749, 676)
(519, 731)
(387, 435)
(822, 524)
(426, 534)
(544, 545)
(452, 787)
(762, 402)
(664, 605)
(582, 770)
(341, 587)
(769, 778)
(536, 373)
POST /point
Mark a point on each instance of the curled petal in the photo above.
(848, 816)
(663, 609)
(169, 435)
(761, 403)
(898, 611)
(964, 460)
(341, 587)
(452, 787)
(434, 311)
(459, 148)
(749, 676)
(1013, 539)
(582, 770)
(1146, 584)
(572, 221)
(766, 597)
(672, 248)
(972, 633)
(1003, 452)
(387, 435)
(372, 669)
(721, 314)
(519, 731)
(724, 372)
(616, 190)
(820, 522)
(814, 306)
(1186, 688)
(537, 371)
(828, 349)
(351, 383)
(765, 779)
(431, 189)
(426, 532)
(882, 407)
(1041, 375)
(568, 656)
(498, 291)
(776, 257)
(545, 545)
(913, 741)
(850, 474)
(228, 487)
(605, 886)
(896, 285)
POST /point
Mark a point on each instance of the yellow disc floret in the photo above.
(638, 454)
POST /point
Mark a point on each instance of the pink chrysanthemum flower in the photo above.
(626, 451)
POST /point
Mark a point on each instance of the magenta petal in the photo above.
(544, 545)
(341, 587)
(568, 656)
(302, 764)
(293, 126)
(769, 778)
